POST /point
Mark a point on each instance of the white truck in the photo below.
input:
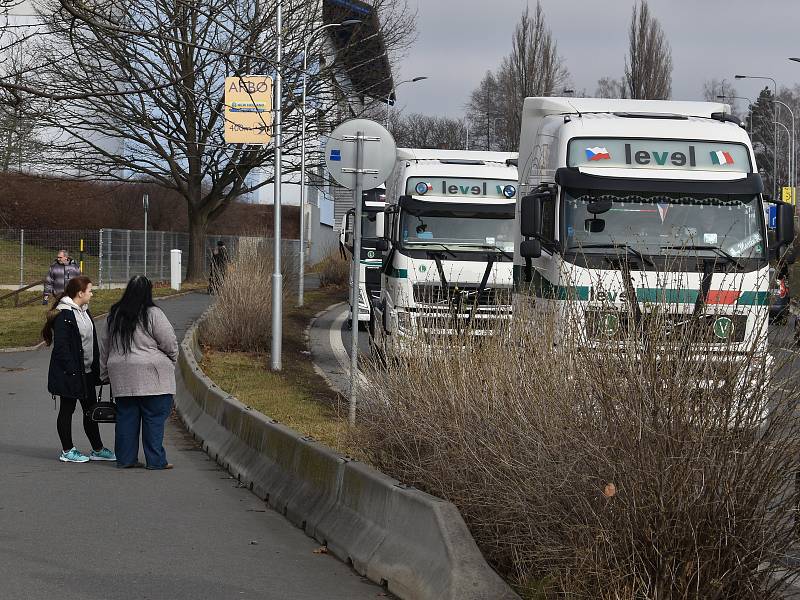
(369, 260)
(627, 204)
(448, 246)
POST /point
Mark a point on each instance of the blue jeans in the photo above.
(148, 413)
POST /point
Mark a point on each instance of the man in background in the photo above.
(219, 265)
(61, 271)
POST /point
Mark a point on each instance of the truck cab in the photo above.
(447, 249)
(369, 260)
(627, 205)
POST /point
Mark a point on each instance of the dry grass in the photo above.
(241, 317)
(333, 270)
(600, 473)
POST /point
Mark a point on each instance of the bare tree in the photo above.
(175, 55)
(485, 115)
(533, 68)
(608, 87)
(648, 66)
(423, 131)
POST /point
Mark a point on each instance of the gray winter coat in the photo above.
(58, 276)
(148, 369)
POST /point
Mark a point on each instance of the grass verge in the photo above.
(20, 327)
(297, 396)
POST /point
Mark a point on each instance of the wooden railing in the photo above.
(15, 294)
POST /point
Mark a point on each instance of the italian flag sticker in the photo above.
(721, 158)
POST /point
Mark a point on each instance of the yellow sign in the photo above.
(248, 109)
(789, 195)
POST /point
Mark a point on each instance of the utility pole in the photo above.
(277, 278)
(146, 205)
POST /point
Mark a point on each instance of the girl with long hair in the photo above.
(74, 367)
(138, 356)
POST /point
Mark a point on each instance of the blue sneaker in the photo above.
(74, 456)
(104, 454)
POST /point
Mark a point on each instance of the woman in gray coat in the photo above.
(138, 357)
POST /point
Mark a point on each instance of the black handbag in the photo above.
(103, 412)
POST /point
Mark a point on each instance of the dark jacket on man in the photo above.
(65, 377)
(59, 275)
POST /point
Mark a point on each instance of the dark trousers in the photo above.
(64, 420)
(148, 414)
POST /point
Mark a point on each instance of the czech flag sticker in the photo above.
(597, 153)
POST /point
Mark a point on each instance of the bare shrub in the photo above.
(333, 270)
(592, 463)
(241, 317)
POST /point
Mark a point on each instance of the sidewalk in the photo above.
(94, 532)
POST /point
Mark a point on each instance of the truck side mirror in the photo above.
(530, 249)
(531, 215)
(784, 225)
(379, 223)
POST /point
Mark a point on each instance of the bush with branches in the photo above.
(652, 465)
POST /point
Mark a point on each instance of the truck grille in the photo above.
(429, 294)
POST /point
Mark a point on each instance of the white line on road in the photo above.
(336, 341)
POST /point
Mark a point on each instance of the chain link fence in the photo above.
(107, 256)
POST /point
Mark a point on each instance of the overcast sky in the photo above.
(458, 40)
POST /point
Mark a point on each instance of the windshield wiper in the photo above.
(442, 246)
(628, 249)
(716, 249)
(497, 249)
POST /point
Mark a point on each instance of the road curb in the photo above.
(417, 545)
(307, 337)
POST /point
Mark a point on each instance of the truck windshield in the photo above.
(490, 226)
(663, 223)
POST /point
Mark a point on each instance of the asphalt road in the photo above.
(94, 532)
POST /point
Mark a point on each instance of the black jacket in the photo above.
(66, 362)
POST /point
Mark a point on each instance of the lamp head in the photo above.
(349, 22)
(740, 76)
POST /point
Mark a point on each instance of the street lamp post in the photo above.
(389, 97)
(792, 155)
(301, 289)
(788, 134)
(277, 278)
(775, 133)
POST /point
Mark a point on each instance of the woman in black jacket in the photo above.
(74, 367)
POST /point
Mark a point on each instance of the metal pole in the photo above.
(788, 133)
(127, 254)
(110, 256)
(100, 260)
(355, 292)
(775, 159)
(277, 279)
(301, 257)
(161, 253)
(145, 202)
(792, 155)
(21, 258)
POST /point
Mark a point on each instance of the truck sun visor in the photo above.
(572, 178)
(422, 208)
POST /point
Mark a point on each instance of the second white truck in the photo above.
(447, 251)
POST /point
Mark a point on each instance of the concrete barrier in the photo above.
(417, 545)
